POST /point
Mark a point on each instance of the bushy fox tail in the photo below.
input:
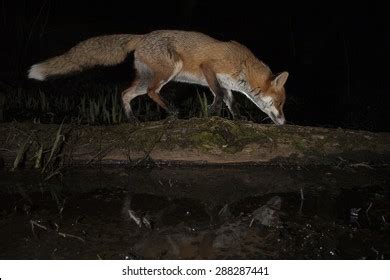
(103, 50)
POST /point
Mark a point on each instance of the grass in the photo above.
(92, 105)
(39, 106)
(204, 109)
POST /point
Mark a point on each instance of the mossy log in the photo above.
(195, 141)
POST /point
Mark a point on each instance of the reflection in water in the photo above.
(198, 212)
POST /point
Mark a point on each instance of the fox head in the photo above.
(271, 99)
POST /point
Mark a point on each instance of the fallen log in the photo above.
(195, 141)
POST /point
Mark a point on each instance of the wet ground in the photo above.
(258, 212)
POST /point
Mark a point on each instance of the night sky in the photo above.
(337, 57)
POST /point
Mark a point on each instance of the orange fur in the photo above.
(168, 55)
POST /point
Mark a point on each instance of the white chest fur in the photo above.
(228, 82)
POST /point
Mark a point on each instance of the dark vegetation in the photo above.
(336, 60)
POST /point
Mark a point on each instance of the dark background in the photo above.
(337, 56)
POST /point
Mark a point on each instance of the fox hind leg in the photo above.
(160, 79)
(157, 70)
(139, 87)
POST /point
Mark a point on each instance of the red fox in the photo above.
(190, 57)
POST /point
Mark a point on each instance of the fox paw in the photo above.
(172, 111)
(171, 118)
(133, 120)
(214, 111)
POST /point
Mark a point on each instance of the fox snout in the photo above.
(280, 121)
(277, 118)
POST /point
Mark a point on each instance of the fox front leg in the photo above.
(215, 107)
(215, 88)
(228, 98)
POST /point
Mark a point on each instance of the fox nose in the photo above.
(280, 121)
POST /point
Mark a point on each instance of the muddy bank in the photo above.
(200, 141)
(259, 212)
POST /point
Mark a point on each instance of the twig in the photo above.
(65, 235)
(147, 153)
(375, 251)
(175, 248)
(51, 175)
(369, 207)
(135, 218)
(302, 200)
(146, 222)
(6, 150)
(59, 139)
(35, 223)
(361, 164)
(251, 223)
(21, 153)
(342, 161)
(223, 209)
(99, 156)
(62, 207)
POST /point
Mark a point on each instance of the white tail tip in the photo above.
(36, 73)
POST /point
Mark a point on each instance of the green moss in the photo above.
(207, 140)
(299, 144)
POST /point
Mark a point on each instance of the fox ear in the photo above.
(280, 80)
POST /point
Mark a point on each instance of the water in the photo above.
(263, 212)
